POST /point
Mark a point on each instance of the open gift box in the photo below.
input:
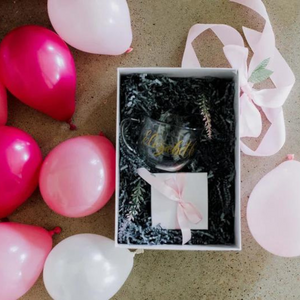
(144, 223)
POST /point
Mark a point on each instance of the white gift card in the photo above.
(195, 191)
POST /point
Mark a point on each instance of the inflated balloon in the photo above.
(23, 251)
(37, 67)
(273, 211)
(86, 266)
(20, 162)
(78, 176)
(98, 26)
(3, 105)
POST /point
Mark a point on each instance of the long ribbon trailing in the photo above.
(269, 100)
(173, 188)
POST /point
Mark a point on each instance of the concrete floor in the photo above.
(160, 28)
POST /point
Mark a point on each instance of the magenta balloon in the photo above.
(273, 211)
(3, 105)
(20, 161)
(78, 176)
(37, 67)
(23, 252)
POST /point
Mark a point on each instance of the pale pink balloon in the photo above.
(98, 26)
(3, 105)
(273, 211)
(20, 162)
(23, 252)
(78, 176)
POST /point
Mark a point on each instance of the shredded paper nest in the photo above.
(205, 103)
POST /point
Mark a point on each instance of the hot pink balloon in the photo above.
(98, 26)
(273, 211)
(78, 176)
(20, 161)
(3, 105)
(23, 252)
(37, 67)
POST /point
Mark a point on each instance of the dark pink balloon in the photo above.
(78, 176)
(3, 105)
(23, 251)
(37, 67)
(20, 161)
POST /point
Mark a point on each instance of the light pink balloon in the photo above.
(3, 105)
(78, 176)
(273, 211)
(98, 26)
(23, 252)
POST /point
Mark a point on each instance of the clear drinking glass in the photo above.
(162, 145)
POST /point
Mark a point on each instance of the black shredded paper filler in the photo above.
(209, 103)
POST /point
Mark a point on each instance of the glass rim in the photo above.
(165, 123)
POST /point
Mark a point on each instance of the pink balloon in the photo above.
(37, 67)
(20, 161)
(273, 211)
(3, 105)
(98, 26)
(78, 176)
(23, 252)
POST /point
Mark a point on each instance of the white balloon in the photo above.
(86, 267)
(94, 26)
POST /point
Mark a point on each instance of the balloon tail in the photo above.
(129, 50)
(138, 251)
(56, 230)
(101, 133)
(291, 156)
(72, 126)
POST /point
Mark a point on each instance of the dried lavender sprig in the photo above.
(204, 110)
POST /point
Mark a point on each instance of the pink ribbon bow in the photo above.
(269, 100)
(173, 189)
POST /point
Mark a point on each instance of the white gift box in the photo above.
(164, 210)
(185, 72)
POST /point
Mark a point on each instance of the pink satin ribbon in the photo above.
(269, 100)
(173, 188)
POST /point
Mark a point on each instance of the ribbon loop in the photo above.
(269, 100)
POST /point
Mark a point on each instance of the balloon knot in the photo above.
(72, 126)
(291, 156)
(129, 50)
(138, 251)
(56, 230)
(101, 133)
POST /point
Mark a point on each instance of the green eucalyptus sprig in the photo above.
(137, 198)
(261, 73)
